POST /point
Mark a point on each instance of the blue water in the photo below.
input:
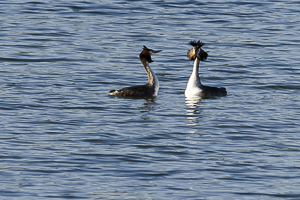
(62, 136)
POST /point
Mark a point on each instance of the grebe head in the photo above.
(147, 53)
(197, 51)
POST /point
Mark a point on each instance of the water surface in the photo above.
(63, 137)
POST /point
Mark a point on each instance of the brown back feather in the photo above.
(136, 91)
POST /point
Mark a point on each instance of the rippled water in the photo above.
(62, 136)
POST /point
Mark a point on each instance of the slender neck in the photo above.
(152, 79)
(194, 78)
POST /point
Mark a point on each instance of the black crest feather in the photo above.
(145, 48)
(196, 44)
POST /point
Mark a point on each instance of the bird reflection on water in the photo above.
(192, 102)
(146, 108)
(193, 112)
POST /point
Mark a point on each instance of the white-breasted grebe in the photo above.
(194, 87)
(150, 88)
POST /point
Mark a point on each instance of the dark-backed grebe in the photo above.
(147, 90)
(194, 86)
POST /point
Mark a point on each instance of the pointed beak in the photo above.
(156, 51)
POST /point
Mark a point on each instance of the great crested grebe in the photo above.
(194, 87)
(147, 90)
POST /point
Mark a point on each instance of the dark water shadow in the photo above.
(145, 108)
(148, 99)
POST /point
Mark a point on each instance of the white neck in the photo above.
(194, 78)
(152, 79)
(194, 83)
